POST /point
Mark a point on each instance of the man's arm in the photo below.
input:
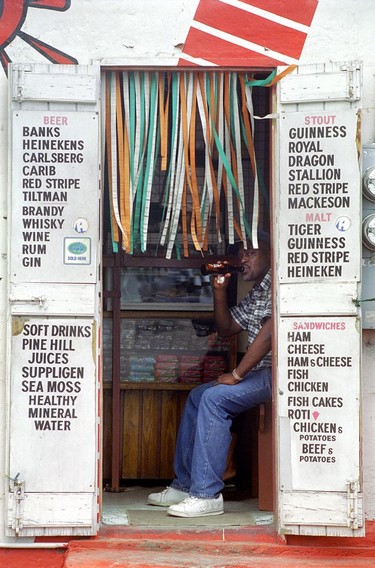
(256, 351)
(225, 324)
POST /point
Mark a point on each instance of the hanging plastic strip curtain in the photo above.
(156, 125)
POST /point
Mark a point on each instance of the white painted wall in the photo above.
(342, 30)
(121, 29)
(151, 32)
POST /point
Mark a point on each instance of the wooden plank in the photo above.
(70, 87)
(327, 531)
(150, 425)
(265, 457)
(53, 511)
(132, 419)
(314, 87)
(317, 298)
(168, 433)
(322, 508)
(54, 300)
(107, 434)
(150, 436)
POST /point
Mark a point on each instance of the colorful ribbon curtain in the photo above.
(157, 125)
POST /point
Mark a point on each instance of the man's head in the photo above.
(255, 261)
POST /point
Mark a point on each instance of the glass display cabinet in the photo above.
(159, 341)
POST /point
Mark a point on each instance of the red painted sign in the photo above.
(254, 33)
(12, 17)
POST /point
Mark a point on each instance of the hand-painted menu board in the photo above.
(319, 197)
(319, 399)
(54, 196)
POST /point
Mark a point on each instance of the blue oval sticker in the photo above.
(77, 248)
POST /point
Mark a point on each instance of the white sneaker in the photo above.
(196, 507)
(169, 496)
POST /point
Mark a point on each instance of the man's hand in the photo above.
(221, 281)
(226, 326)
(227, 379)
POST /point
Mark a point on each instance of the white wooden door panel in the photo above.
(54, 307)
(318, 274)
(315, 298)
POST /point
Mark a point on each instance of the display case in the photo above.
(166, 331)
(159, 341)
(161, 288)
(179, 350)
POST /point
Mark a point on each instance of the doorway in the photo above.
(186, 173)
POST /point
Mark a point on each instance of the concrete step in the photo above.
(208, 549)
(120, 558)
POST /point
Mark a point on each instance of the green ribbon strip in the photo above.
(131, 125)
(138, 200)
(141, 123)
(150, 142)
(261, 82)
(228, 169)
(110, 210)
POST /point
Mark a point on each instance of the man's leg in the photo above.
(186, 438)
(217, 407)
(180, 486)
(230, 466)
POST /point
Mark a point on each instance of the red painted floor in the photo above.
(120, 547)
(229, 548)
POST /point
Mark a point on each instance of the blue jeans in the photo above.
(204, 434)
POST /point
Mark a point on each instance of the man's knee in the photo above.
(214, 395)
(196, 394)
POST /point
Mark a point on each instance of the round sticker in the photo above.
(80, 225)
(343, 223)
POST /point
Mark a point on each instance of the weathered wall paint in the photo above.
(259, 33)
(217, 32)
(154, 32)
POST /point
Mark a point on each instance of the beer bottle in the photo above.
(219, 267)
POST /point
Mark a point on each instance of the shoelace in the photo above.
(190, 501)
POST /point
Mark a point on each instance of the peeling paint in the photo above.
(18, 325)
(93, 340)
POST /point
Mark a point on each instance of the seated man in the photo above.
(204, 435)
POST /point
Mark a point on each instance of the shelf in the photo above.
(161, 314)
(154, 386)
(150, 352)
(147, 261)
